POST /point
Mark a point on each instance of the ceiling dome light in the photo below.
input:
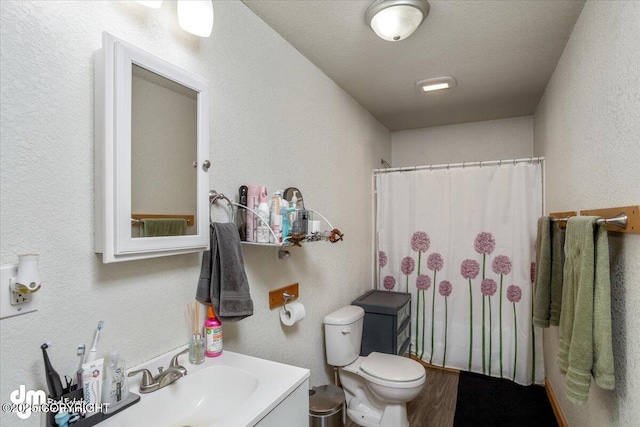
(395, 20)
(196, 16)
(437, 83)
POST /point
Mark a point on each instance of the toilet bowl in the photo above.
(377, 387)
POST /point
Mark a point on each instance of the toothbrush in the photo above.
(80, 353)
(53, 378)
(93, 353)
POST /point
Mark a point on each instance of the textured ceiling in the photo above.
(502, 54)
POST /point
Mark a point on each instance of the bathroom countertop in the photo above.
(276, 381)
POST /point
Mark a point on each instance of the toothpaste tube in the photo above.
(92, 385)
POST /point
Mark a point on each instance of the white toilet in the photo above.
(377, 387)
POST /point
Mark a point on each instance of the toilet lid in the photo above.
(391, 367)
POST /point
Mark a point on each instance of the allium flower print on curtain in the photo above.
(407, 266)
(532, 278)
(488, 289)
(423, 282)
(382, 262)
(435, 264)
(484, 244)
(470, 270)
(420, 242)
(382, 258)
(445, 290)
(501, 265)
(514, 293)
(389, 282)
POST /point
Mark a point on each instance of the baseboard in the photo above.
(562, 422)
(428, 365)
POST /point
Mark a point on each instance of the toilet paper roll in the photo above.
(296, 314)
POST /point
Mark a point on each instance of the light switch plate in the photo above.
(6, 309)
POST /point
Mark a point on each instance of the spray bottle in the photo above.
(213, 334)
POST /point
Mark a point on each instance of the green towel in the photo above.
(557, 268)
(154, 227)
(585, 319)
(542, 299)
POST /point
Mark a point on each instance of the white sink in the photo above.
(226, 391)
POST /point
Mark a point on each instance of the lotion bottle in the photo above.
(213, 334)
(262, 231)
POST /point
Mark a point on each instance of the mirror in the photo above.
(151, 155)
(288, 194)
(163, 151)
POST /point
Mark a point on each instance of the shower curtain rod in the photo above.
(460, 165)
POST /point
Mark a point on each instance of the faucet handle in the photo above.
(176, 364)
(147, 378)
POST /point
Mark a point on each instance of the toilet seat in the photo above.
(388, 370)
(390, 367)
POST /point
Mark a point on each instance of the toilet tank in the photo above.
(343, 335)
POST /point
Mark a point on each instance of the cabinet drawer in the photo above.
(403, 314)
(403, 335)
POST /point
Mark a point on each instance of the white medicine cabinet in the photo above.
(151, 155)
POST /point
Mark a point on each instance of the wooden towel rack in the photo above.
(632, 213)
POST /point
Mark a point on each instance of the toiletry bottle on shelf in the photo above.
(213, 334)
(285, 223)
(275, 218)
(253, 192)
(241, 213)
(294, 200)
(262, 230)
(114, 386)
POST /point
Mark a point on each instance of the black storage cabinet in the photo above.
(387, 319)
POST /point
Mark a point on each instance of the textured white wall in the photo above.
(588, 128)
(275, 120)
(467, 142)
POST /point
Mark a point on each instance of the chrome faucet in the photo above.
(174, 372)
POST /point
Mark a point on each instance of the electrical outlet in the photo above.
(19, 298)
(8, 305)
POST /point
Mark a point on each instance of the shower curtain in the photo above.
(462, 242)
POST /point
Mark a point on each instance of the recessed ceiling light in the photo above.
(437, 83)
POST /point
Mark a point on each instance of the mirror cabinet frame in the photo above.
(113, 76)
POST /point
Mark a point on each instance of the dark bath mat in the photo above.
(493, 402)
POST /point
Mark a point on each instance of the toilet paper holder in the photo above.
(286, 296)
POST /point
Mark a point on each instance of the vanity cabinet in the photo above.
(387, 322)
(151, 155)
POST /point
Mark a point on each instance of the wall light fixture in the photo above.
(196, 16)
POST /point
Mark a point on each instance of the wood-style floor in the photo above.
(435, 406)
